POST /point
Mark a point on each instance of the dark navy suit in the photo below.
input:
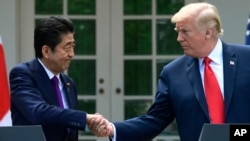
(180, 96)
(34, 102)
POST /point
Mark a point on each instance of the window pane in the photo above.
(83, 73)
(84, 7)
(88, 106)
(168, 6)
(135, 108)
(85, 33)
(43, 7)
(138, 77)
(137, 7)
(138, 37)
(167, 38)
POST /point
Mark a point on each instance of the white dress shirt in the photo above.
(216, 65)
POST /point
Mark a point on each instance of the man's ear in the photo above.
(209, 33)
(46, 51)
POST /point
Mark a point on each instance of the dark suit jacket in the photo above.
(180, 96)
(34, 102)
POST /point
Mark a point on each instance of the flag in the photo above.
(248, 31)
(5, 118)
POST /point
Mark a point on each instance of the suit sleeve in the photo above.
(148, 126)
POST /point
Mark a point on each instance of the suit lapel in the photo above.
(195, 79)
(229, 66)
(43, 82)
(66, 89)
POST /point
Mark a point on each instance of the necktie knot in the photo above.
(207, 60)
(55, 80)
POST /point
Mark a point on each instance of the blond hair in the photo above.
(206, 16)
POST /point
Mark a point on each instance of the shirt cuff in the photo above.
(114, 136)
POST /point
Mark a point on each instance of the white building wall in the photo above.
(9, 31)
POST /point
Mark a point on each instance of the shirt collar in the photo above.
(49, 73)
(215, 55)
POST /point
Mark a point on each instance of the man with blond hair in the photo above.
(210, 83)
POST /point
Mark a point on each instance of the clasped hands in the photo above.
(99, 125)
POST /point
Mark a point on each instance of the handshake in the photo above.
(99, 125)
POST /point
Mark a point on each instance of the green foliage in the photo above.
(43, 7)
(82, 7)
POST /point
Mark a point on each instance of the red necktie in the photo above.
(213, 94)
